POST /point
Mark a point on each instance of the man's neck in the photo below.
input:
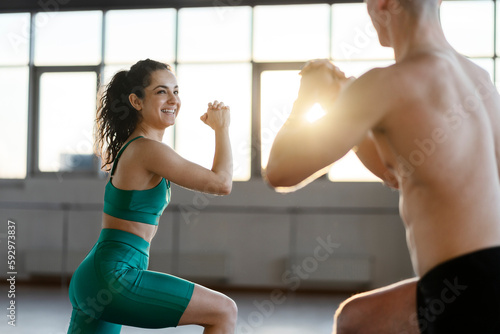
(412, 38)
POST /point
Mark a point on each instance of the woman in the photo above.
(112, 286)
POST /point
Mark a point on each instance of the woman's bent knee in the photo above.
(211, 309)
(229, 309)
(224, 316)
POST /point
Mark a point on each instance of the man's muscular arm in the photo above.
(303, 151)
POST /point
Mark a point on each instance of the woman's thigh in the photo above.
(148, 299)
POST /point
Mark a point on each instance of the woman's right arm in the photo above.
(164, 161)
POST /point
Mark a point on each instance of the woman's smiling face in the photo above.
(161, 103)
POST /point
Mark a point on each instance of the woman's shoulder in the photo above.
(145, 154)
(150, 147)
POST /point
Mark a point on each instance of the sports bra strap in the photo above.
(120, 153)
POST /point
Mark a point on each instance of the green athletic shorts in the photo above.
(112, 287)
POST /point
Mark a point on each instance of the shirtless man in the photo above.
(430, 127)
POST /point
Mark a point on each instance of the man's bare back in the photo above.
(430, 126)
(434, 140)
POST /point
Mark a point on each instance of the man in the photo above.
(429, 126)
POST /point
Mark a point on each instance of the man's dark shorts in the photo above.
(461, 295)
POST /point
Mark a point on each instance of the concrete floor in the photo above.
(46, 310)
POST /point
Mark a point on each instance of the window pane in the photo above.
(153, 30)
(353, 34)
(469, 26)
(215, 34)
(68, 38)
(278, 92)
(291, 33)
(14, 120)
(14, 39)
(67, 112)
(201, 84)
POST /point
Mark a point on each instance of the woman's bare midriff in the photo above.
(145, 231)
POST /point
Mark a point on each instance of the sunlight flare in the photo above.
(315, 113)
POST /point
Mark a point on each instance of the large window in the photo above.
(66, 46)
(248, 57)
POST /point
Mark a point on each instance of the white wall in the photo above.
(250, 238)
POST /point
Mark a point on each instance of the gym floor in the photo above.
(46, 310)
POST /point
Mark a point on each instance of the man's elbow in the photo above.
(276, 178)
(273, 180)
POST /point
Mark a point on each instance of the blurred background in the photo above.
(339, 235)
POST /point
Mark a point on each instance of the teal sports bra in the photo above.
(144, 206)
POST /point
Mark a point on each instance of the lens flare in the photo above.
(315, 113)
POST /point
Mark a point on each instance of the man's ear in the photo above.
(392, 6)
(383, 4)
(135, 101)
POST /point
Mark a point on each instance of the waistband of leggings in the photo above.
(109, 234)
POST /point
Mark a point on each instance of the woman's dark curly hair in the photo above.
(116, 118)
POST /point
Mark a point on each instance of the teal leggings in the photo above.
(112, 287)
